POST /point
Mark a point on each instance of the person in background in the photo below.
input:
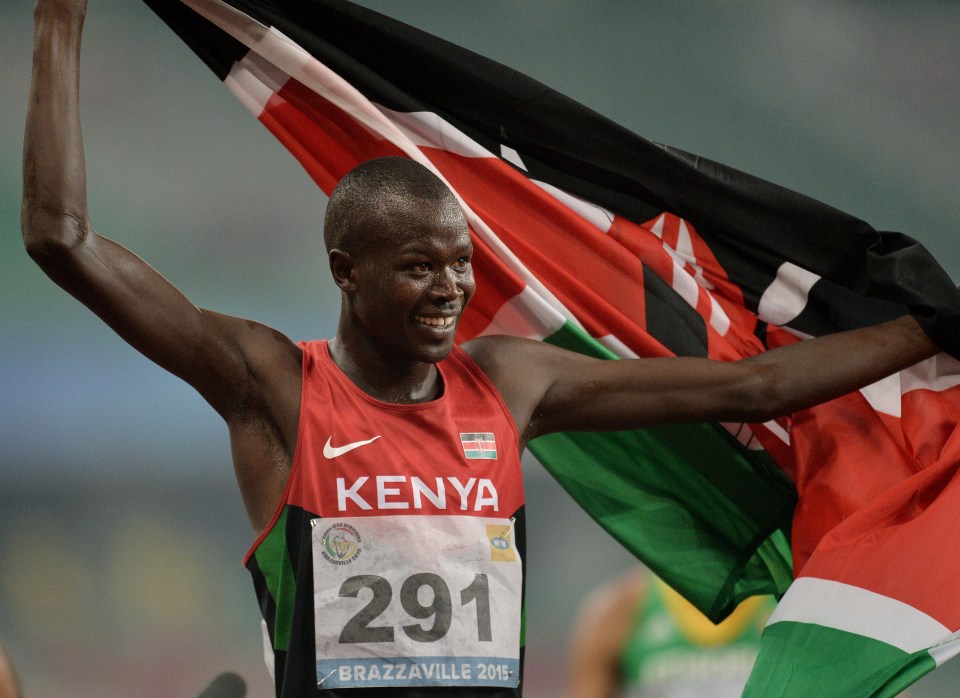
(635, 637)
(9, 682)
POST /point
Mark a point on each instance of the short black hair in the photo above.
(376, 192)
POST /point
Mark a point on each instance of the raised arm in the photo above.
(549, 389)
(249, 373)
(123, 290)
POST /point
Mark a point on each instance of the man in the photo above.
(389, 554)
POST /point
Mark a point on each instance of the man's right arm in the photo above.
(249, 373)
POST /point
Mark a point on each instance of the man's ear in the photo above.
(342, 267)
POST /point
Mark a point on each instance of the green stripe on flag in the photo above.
(799, 660)
(700, 509)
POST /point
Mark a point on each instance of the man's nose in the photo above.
(445, 285)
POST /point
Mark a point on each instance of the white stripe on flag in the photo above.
(254, 81)
(884, 395)
(852, 609)
(940, 372)
(525, 315)
(596, 215)
(427, 129)
(786, 297)
(948, 649)
(615, 345)
(512, 156)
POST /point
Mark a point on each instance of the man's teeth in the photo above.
(435, 321)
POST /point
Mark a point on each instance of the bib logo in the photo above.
(341, 544)
(501, 547)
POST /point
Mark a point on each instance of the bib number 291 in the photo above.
(440, 607)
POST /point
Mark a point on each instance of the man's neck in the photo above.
(383, 377)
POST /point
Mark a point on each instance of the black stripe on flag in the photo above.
(572, 147)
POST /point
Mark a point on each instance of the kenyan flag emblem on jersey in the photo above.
(481, 445)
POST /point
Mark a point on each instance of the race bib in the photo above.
(416, 601)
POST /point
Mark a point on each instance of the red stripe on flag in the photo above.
(930, 422)
(876, 495)
(492, 296)
(324, 139)
(847, 457)
(546, 235)
(896, 546)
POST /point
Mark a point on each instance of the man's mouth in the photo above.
(444, 321)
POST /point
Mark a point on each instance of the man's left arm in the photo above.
(549, 389)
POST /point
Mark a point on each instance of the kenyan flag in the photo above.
(482, 446)
(593, 238)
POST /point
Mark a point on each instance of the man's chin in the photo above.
(435, 353)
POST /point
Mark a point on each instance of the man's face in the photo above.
(413, 281)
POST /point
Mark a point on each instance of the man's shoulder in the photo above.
(505, 357)
(494, 341)
(505, 346)
(489, 349)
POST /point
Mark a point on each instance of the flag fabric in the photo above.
(592, 238)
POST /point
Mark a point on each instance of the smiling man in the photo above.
(380, 469)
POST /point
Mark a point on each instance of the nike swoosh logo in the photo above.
(331, 452)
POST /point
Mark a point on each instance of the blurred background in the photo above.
(121, 529)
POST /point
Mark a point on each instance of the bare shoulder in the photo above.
(262, 363)
(487, 350)
(516, 365)
(498, 354)
(523, 370)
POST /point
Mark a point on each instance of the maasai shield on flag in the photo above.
(593, 238)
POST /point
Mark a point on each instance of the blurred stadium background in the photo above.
(121, 530)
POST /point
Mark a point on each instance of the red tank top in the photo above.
(445, 463)
(359, 456)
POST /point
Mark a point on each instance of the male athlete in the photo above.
(380, 469)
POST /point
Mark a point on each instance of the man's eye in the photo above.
(422, 266)
(463, 262)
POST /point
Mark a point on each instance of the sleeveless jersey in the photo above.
(394, 564)
(677, 652)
